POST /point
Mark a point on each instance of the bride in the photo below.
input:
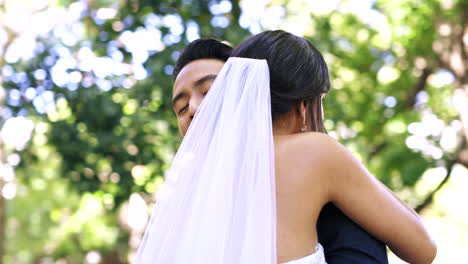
(256, 167)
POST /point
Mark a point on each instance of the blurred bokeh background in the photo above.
(87, 128)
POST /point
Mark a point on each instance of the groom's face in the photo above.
(190, 87)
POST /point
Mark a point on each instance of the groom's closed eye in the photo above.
(177, 102)
(183, 109)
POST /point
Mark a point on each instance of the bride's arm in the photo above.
(373, 206)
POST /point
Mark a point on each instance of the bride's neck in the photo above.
(286, 124)
(284, 129)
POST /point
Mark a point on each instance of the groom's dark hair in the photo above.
(202, 49)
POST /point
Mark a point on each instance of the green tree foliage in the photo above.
(107, 133)
(389, 62)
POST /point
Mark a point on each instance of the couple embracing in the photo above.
(257, 180)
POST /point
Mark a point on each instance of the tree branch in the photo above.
(11, 36)
(430, 197)
(464, 28)
(419, 86)
(408, 103)
(451, 163)
(376, 150)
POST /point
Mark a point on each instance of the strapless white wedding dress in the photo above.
(318, 257)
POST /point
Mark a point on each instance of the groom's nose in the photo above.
(195, 102)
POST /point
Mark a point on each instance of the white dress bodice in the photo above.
(318, 257)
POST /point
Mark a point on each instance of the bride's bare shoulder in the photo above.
(317, 150)
(307, 143)
(304, 159)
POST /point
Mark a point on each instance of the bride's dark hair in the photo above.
(298, 72)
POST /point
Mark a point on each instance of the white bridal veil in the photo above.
(217, 205)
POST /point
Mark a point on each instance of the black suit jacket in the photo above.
(345, 242)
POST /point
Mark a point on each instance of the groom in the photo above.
(343, 240)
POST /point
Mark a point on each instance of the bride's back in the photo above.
(298, 80)
(312, 169)
(299, 196)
